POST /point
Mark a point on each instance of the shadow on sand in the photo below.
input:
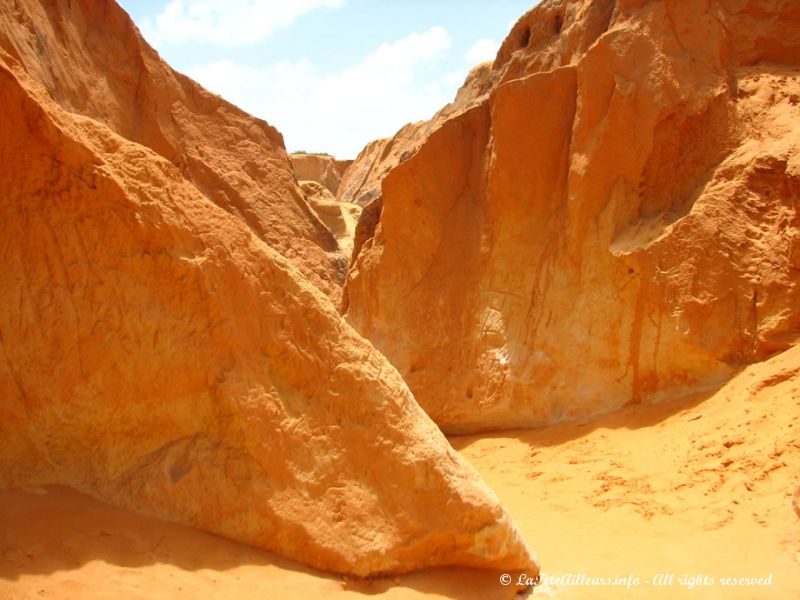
(59, 529)
(634, 416)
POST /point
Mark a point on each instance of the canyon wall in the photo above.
(92, 61)
(613, 221)
(164, 341)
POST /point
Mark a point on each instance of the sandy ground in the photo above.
(64, 545)
(699, 489)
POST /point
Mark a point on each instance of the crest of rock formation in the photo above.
(164, 343)
(361, 184)
(610, 217)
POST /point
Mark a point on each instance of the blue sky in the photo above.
(331, 75)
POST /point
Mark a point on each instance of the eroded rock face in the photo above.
(615, 221)
(109, 73)
(322, 168)
(156, 349)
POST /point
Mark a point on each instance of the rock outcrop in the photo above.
(361, 182)
(92, 61)
(161, 346)
(322, 168)
(614, 221)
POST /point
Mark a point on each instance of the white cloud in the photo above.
(454, 79)
(340, 112)
(482, 50)
(226, 22)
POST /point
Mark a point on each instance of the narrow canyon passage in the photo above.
(545, 342)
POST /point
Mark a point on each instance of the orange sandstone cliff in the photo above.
(610, 217)
(92, 61)
(164, 343)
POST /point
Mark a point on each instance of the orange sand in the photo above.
(702, 487)
(697, 487)
(64, 545)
